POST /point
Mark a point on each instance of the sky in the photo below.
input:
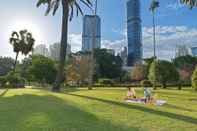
(176, 25)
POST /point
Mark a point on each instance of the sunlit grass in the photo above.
(96, 110)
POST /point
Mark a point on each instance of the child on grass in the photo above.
(131, 93)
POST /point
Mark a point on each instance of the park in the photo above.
(96, 89)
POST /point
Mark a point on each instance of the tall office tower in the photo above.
(134, 32)
(55, 51)
(123, 55)
(182, 50)
(41, 50)
(91, 28)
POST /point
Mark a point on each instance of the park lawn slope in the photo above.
(95, 110)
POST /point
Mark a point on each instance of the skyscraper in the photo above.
(91, 28)
(181, 50)
(41, 50)
(134, 32)
(55, 51)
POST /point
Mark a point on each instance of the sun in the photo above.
(29, 25)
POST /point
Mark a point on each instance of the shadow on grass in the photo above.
(179, 108)
(4, 92)
(36, 113)
(144, 109)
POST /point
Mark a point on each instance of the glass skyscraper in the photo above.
(91, 28)
(134, 32)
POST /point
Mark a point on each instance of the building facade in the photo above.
(134, 32)
(123, 55)
(55, 51)
(41, 50)
(182, 50)
(91, 30)
(194, 51)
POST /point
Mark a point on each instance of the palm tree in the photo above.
(23, 42)
(154, 5)
(67, 14)
(190, 3)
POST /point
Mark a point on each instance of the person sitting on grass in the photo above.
(131, 94)
(147, 91)
(147, 94)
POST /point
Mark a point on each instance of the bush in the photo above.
(15, 81)
(2, 81)
(194, 79)
(146, 83)
(163, 72)
(106, 81)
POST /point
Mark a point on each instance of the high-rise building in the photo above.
(55, 51)
(91, 30)
(194, 51)
(134, 32)
(182, 50)
(123, 55)
(41, 50)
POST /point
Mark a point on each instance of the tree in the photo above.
(163, 72)
(23, 42)
(24, 69)
(107, 65)
(185, 66)
(67, 10)
(154, 5)
(183, 62)
(190, 3)
(194, 79)
(83, 68)
(43, 69)
(72, 74)
(138, 72)
(6, 65)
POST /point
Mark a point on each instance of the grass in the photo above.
(96, 110)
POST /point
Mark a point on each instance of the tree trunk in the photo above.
(154, 33)
(63, 48)
(164, 85)
(154, 48)
(16, 61)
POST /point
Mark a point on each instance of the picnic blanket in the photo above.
(142, 101)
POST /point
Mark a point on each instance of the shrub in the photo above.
(106, 81)
(163, 72)
(15, 81)
(194, 79)
(2, 81)
(146, 83)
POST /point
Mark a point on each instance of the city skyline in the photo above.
(46, 29)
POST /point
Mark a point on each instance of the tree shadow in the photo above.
(179, 108)
(33, 112)
(4, 92)
(144, 109)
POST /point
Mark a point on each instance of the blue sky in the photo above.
(176, 25)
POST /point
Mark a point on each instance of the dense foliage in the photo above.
(163, 72)
(43, 69)
(194, 79)
(139, 72)
(107, 65)
(6, 65)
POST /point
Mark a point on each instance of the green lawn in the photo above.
(96, 110)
